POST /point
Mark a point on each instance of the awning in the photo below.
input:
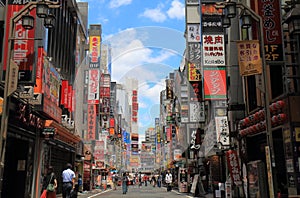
(63, 133)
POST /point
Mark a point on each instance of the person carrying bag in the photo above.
(49, 184)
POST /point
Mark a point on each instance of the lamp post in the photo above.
(246, 15)
(10, 83)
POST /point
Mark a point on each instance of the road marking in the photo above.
(100, 193)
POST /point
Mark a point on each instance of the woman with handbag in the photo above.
(49, 184)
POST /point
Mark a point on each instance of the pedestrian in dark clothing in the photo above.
(50, 178)
(124, 183)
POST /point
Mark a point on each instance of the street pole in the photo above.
(269, 134)
(8, 87)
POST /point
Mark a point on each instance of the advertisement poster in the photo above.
(182, 182)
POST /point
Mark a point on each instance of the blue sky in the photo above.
(147, 39)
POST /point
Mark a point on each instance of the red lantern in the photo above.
(281, 118)
(280, 104)
(273, 108)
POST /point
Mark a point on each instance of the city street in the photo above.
(136, 192)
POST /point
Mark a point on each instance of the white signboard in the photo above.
(197, 112)
(213, 50)
(193, 32)
(93, 88)
(222, 130)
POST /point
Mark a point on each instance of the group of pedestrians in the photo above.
(49, 185)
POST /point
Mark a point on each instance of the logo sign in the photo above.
(27, 92)
(36, 99)
(48, 132)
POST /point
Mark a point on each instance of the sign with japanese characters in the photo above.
(95, 43)
(194, 72)
(272, 28)
(193, 33)
(197, 112)
(93, 87)
(234, 167)
(250, 62)
(23, 54)
(222, 130)
(91, 122)
(215, 86)
(213, 50)
(194, 52)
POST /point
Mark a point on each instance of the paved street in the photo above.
(136, 192)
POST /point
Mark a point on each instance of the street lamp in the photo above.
(246, 15)
(10, 83)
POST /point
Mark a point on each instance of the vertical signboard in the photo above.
(95, 42)
(250, 62)
(197, 112)
(272, 28)
(215, 86)
(23, 49)
(213, 50)
(91, 122)
(93, 87)
(222, 130)
(135, 106)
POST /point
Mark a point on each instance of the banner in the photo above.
(249, 57)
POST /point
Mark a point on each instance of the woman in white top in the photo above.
(169, 180)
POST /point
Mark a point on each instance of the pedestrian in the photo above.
(115, 180)
(153, 179)
(140, 180)
(68, 181)
(80, 183)
(124, 183)
(159, 180)
(169, 179)
(49, 183)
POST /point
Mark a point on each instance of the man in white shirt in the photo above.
(169, 180)
(68, 181)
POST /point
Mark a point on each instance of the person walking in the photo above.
(68, 181)
(115, 180)
(169, 179)
(124, 183)
(159, 180)
(49, 178)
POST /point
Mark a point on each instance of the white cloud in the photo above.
(177, 10)
(155, 14)
(130, 56)
(119, 3)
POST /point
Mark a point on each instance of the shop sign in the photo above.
(249, 57)
(48, 132)
(234, 168)
(222, 130)
(195, 139)
(215, 86)
(213, 50)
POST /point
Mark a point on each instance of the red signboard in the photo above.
(233, 166)
(215, 87)
(24, 52)
(70, 93)
(91, 122)
(39, 71)
(270, 13)
(64, 93)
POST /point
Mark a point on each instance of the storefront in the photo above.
(23, 132)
